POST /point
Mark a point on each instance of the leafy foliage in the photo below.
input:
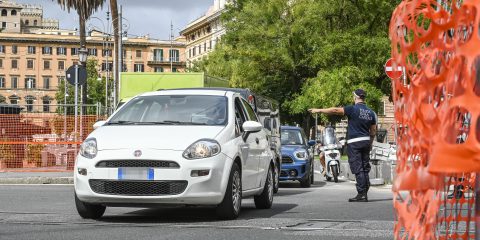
(96, 88)
(305, 53)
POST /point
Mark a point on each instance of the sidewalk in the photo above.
(24, 177)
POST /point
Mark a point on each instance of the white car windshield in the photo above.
(292, 137)
(173, 110)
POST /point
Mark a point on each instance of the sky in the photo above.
(145, 17)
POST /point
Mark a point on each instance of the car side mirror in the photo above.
(311, 143)
(99, 124)
(250, 127)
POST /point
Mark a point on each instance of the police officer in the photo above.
(362, 128)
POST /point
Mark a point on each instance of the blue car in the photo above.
(297, 159)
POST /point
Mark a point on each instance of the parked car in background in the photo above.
(297, 157)
(192, 147)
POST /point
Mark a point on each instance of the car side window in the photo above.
(240, 116)
(251, 114)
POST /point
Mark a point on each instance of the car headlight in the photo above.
(88, 149)
(202, 149)
(300, 155)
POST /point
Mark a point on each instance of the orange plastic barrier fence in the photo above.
(437, 112)
(41, 141)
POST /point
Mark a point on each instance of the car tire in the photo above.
(306, 182)
(265, 199)
(312, 175)
(276, 180)
(231, 204)
(89, 211)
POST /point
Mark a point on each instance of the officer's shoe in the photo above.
(361, 197)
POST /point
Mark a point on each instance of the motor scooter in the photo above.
(331, 148)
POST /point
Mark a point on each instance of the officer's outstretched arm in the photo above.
(330, 111)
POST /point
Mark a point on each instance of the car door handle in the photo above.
(257, 140)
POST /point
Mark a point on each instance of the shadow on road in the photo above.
(191, 214)
(380, 200)
(296, 184)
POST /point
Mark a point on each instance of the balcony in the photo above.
(164, 61)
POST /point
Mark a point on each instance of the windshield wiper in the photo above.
(184, 123)
(121, 123)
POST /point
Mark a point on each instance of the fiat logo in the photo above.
(137, 153)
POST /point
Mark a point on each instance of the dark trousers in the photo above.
(359, 161)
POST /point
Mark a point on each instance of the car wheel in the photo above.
(276, 180)
(230, 207)
(89, 211)
(265, 200)
(306, 182)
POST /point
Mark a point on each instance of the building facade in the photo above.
(204, 33)
(33, 65)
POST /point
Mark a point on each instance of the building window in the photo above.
(4, 13)
(14, 82)
(14, 49)
(29, 63)
(35, 22)
(139, 67)
(158, 55)
(61, 51)
(4, 25)
(29, 100)
(47, 50)
(205, 46)
(106, 52)
(125, 69)
(14, 63)
(74, 51)
(13, 13)
(2, 48)
(158, 69)
(199, 49)
(46, 82)
(61, 65)
(1, 63)
(174, 55)
(46, 64)
(2, 82)
(46, 104)
(138, 53)
(210, 44)
(27, 22)
(107, 67)
(31, 49)
(30, 83)
(194, 51)
(190, 53)
(92, 52)
(13, 99)
(174, 69)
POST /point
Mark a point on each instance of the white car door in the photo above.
(260, 147)
(247, 148)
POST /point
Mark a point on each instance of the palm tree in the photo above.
(116, 37)
(85, 9)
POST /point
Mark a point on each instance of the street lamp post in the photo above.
(82, 58)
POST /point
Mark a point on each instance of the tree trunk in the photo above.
(114, 9)
(83, 44)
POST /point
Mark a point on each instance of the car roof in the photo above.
(192, 91)
(290, 128)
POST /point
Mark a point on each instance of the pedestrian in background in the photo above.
(361, 130)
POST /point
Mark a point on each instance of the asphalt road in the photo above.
(319, 212)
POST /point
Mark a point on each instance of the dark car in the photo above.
(297, 157)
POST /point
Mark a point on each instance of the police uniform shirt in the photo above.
(360, 119)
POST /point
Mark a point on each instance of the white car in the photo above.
(189, 147)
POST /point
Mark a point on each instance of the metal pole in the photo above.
(120, 51)
(316, 126)
(76, 104)
(65, 110)
(171, 46)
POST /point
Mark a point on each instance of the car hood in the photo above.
(152, 137)
(289, 149)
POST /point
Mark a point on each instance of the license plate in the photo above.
(135, 174)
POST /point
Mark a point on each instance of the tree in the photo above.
(95, 91)
(85, 9)
(305, 53)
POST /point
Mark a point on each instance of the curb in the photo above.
(37, 180)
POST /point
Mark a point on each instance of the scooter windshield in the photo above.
(329, 136)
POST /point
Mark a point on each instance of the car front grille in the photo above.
(138, 188)
(286, 159)
(283, 174)
(137, 163)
